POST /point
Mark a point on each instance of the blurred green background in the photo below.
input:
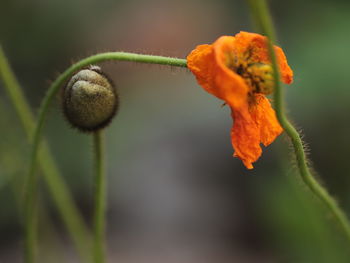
(175, 192)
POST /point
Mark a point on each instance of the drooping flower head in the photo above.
(237, 69)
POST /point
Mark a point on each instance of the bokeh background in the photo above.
(175, 192)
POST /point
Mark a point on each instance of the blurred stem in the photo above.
(263, 19)
(63, 200)
(16, 95)
(99, 198)
(30, 242)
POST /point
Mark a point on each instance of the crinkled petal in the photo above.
(265, 118)
(285, 70)
(233, 88)
(250, 128)
(208, 64)
(245, 138)
(257, 45)
(215, 67)
(201, 62)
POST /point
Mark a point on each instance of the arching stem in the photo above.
(32, 177)
(263, 19)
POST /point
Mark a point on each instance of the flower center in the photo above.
(258, 76)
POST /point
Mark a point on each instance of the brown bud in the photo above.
(90, 100)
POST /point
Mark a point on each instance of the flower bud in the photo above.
(90, 100)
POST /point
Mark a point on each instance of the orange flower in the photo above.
(237, 70)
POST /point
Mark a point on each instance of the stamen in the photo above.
(258, 76)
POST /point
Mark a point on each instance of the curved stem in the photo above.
(16, 95)
(54, 88)
(121, 56)
(263, 19)
(99, 199)
(30, 247)
(62, 198)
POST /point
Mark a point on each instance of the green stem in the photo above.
(55, 86)
(30, 242)
(16, 95)
(263, 18)
(99, 198)
(63, 200)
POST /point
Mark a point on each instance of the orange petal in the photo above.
(209, 64)
(257, 45)
(265, 118)
(285, 70)
(201, 62)
(233, 88)
(254, 121)
(245, 138)
(259, 125)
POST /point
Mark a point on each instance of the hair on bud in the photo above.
(89, 100)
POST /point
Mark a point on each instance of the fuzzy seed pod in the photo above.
(89, 100)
